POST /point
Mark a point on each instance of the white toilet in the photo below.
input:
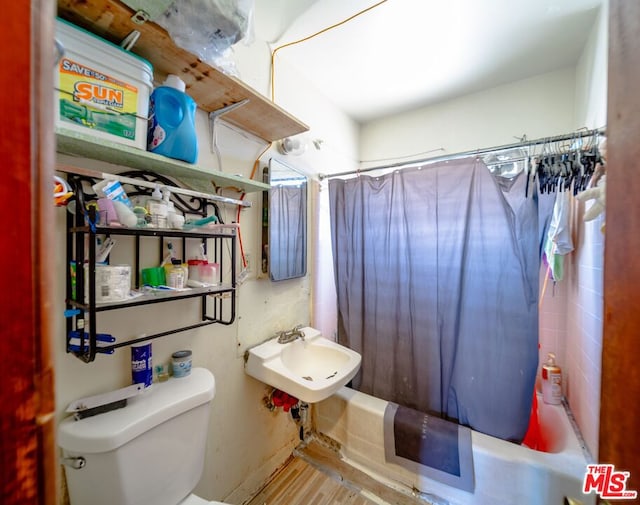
(150, 452)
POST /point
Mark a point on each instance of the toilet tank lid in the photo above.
(161, 402)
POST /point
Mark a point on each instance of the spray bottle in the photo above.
(551, 381)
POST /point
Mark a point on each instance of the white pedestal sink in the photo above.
(311, 369)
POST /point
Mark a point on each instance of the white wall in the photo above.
(591, 75)
(339, 138)
(246, 441)
(538, 107)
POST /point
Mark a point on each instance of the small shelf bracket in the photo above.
(213, 117)
(140, 17)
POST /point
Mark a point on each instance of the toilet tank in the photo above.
(149, 452)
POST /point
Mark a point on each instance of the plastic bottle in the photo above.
(157, 208)
(172, 130)
(551, 381)
(174, 219)
(176, 275)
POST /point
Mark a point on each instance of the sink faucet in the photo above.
(284, 337)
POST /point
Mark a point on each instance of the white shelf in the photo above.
(193, 176)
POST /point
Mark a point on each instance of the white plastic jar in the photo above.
(181, 363)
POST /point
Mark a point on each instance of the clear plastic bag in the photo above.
(208, 28)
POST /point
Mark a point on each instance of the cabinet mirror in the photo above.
(284, 234)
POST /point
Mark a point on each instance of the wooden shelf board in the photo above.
(211, 89)
(194, 176)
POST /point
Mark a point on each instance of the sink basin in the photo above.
(311, 369)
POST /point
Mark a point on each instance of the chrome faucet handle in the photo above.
(297, 330)
(284, 337)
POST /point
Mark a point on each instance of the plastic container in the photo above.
(209, 273)
(161, 372)
(113, 283)
(181, 363)
(104, 90)
(202, 271)
(174, 219)
(172, 130)
(154, 276)
(157, 209)
(551, 381)
(141, 364)
(177, 274)
(112, 190)
(108, 215)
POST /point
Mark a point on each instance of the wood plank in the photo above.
(28, 456)
(211, 89)
(619, 411)
(299, 483)
(322, 457)
(318, 476)
(43, 152)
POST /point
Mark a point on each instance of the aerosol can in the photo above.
(551, 381)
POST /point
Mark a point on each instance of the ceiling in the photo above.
(404, 54)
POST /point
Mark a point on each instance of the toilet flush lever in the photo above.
(76, 462)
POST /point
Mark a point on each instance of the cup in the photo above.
(106, 212)
(162, 372)
(203, 271)
(208, 273)
(154, 277)
(194, 269)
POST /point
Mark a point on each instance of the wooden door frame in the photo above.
(620, 389)
(27, 442)
(27, 446)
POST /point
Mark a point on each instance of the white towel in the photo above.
(558, 241)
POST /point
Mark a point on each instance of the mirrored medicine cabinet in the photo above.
(284, 222)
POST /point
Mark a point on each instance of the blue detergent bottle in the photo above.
(172, 130)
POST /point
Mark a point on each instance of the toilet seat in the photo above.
(192, 499)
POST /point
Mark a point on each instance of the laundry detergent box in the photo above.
(101, 89)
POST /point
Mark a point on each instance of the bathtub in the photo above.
(505, 473)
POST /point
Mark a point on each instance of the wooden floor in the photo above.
(317, 476)
(300, 483)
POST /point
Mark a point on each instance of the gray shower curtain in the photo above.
(288, 231)
(437, 272)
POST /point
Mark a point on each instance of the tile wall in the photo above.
(571, 321)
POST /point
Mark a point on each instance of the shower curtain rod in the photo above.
(475, 152)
